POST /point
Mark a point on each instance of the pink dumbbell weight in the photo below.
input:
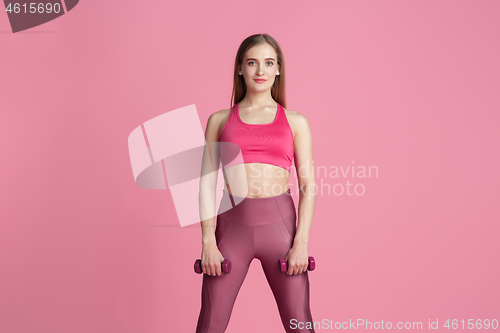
(284, 265)
(226, 266)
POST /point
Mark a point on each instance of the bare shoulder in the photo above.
(298, 122)
(217, 120)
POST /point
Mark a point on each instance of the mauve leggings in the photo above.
(261, 228)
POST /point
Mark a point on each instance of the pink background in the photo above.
(411, 87)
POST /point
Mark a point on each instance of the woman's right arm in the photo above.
(211, 258)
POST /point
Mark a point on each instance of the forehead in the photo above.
(261, 51)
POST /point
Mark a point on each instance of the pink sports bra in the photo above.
(270, 143)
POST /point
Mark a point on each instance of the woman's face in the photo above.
(260, 62)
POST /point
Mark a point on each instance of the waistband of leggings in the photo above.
(257, 211)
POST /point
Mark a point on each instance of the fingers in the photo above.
(215, 268)
(209, 268)
(218, 269)
(204, 267)
(295, 268)
(212, 268)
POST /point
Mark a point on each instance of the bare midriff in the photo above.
(256, 180)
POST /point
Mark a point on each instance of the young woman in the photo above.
(262, 224)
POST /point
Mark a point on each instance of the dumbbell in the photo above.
(226, 266)
(284, 265)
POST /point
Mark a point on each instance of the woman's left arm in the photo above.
(298, 258)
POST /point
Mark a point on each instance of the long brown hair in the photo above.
(239, 85)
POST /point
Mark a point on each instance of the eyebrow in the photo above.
(265, 59)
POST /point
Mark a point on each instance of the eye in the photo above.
(269, 62)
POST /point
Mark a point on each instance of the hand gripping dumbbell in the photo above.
(284, 265)
(226, 266)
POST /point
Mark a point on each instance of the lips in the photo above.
(259, 80)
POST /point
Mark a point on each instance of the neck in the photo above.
(257, 99)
